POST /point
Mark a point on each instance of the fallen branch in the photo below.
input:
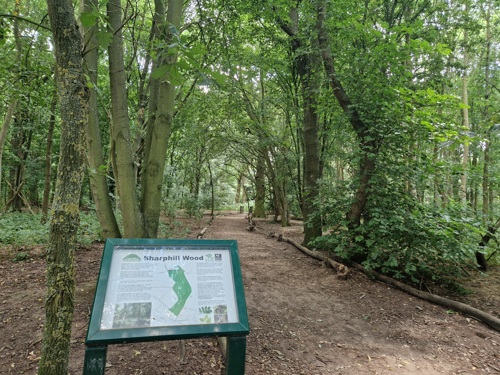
(484, 317)
(342, 270)
(202, 232)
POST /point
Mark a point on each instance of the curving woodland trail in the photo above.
(303, 318)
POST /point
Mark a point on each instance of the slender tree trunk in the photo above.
(95, 158)
(279, 188)
(485, 115)
(73, 101)
(123, 170)
(48, 159)
(13, 109)
(260, 185)
(465, 113)
(158, 33)
(212, 190)
(237, 196)
(4, 131)
(368, 143)
(155, 163)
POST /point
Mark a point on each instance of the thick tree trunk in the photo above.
(307, 69)
(310, 88)
(73, 100)
(123, 164)
(95, 158)
(152, 181)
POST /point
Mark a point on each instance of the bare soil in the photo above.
(303, 319)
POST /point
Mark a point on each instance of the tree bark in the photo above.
(95, 158)
(73, 101)
(4, 131)
(260, 185)
(310, 87)
(465, 121)
(485, 113)
(48, 159)
(154, 165)
(123, 166)
(307, 69)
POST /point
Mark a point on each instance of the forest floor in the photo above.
(303, 318)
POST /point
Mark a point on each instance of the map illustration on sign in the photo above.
(181, 287)
(169, 286)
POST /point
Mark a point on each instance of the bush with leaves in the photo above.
(405, 239)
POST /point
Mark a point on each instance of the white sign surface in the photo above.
(169, 286)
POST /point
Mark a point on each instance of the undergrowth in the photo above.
(20, 228)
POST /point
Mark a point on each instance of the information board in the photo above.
(151, 289)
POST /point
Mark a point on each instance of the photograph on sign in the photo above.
(162, 286)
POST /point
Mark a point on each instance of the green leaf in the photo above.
(104, 38)
(88, 19)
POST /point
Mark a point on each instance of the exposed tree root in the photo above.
(486, 318)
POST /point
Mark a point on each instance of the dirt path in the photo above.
(306, 321)
(303, 320)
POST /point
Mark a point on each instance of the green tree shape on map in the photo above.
(181, 288)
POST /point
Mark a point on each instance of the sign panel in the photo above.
(167, 286)
(167, 289)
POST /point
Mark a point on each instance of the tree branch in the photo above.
(25, 20)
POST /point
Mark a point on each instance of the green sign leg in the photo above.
(235, 355)
(95, 360)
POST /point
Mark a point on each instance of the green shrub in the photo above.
(405, 239)
(21, 257)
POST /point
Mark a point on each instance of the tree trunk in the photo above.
(367, 142)
(260, 185)
(485, 115)
(465, 121)
(123, 166)
(307, 69)
(279, 187)
(73, 101)
(212, 191)
(48, 159)
(95, 158)
(4, 131)
(155, 163)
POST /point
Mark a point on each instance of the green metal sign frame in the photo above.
(235, 331)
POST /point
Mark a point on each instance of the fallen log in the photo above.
(341, 269)
(203, 231)
(463, 308)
